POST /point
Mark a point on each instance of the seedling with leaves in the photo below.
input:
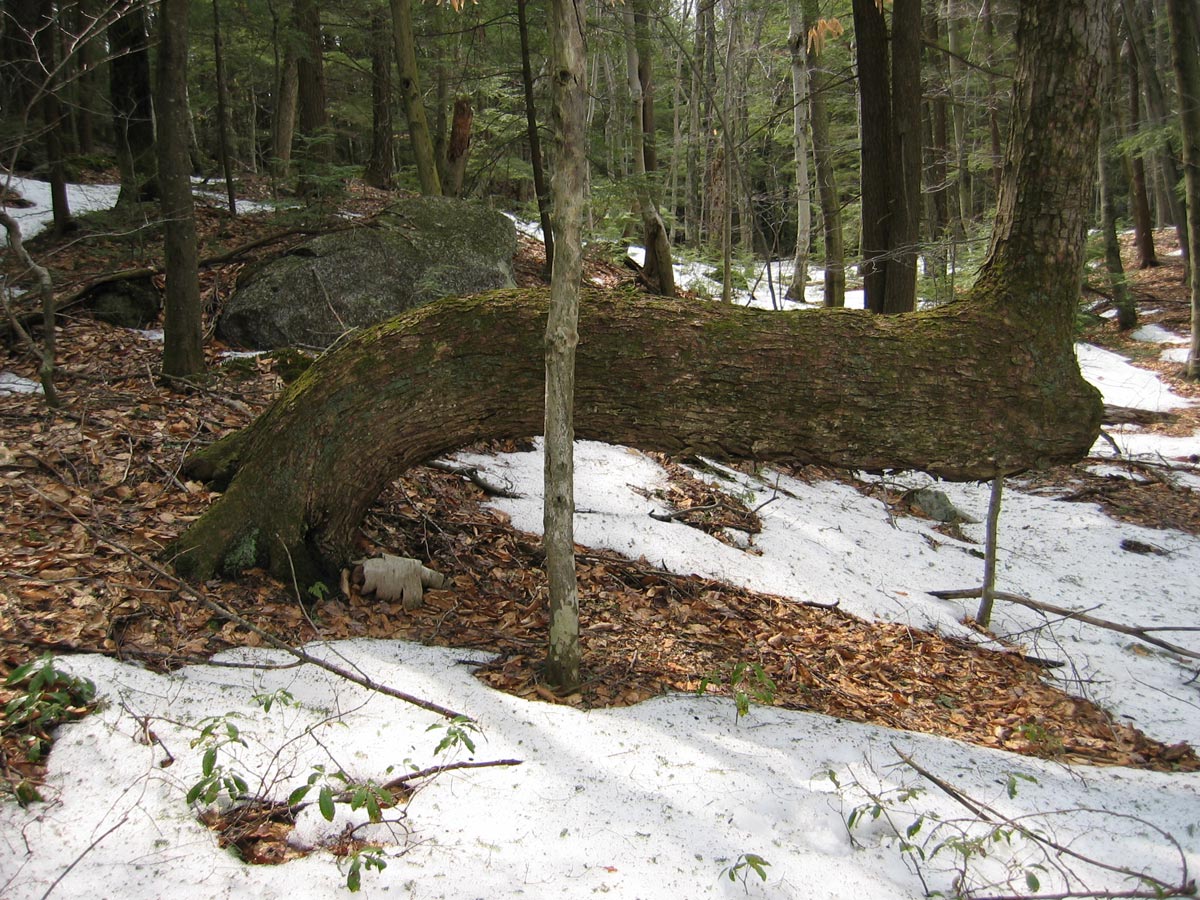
(217, 733)
(367, 795)
(747, 681)
(458, 731)
(363, 858)
(743, 866)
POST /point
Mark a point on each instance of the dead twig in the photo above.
(402, 781)
(472, 475)
(1132, 630)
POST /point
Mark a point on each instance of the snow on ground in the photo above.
(84, 198)
(32, 219)
(659, 800)
(1156, 334)
(1124, 384)
(11, 383)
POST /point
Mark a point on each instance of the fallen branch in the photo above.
(1132, 630)
(472, 474)
(431, 771)
(680, 513)
(1128, 415)
(220, 609)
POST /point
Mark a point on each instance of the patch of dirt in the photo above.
(108, 466)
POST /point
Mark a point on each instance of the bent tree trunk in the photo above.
(987, 385)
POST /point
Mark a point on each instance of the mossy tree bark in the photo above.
(987, 385)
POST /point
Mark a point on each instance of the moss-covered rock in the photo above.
(421, 249)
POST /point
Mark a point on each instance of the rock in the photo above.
(130, 303)
(419, 250)
(937, 506)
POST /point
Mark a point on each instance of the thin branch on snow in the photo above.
(1141, 634)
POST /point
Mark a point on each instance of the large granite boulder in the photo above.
(417, 251)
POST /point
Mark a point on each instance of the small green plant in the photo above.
(217, 732)
(361, 795)
(318, 590)
(282, 696)
(45, 698)
(748, 681)
(458, 731)
(369, 857)
(743, 866)
(1044, 741)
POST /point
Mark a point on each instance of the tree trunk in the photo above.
(458, 148)
(904, 163)
(380, 169)
(53, 120)
(1139, 198)
(1108, 167)
(1157, 106)
(535, 141)
(183, 347)
(870, 39)
(283, 123)
(223, 110)
(797, 40)
(410, 96)
(962, 210)
(1185, 56)
(568, 63)
(133, 110)
(986, 385)
(316, 151)
(658, 271)
(827, 191)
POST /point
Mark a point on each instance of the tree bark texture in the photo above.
(985, 385)
(1139, 198)
(797, 41)
(870, 38)
(827, 191)
(1108, 166)
(133, 109)
(1185, 50)
(380, 168)
(316, 148)
(658, 269)
(569, 64)
(223, 110)
(183, 336)
(283, 122)
(53, 117)
(540, 187)
(410, 97)
(1156, 104)
(458, 148)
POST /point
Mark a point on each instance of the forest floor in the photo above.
(92, 493)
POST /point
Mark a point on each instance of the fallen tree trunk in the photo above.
(953, 391)
(983, 387)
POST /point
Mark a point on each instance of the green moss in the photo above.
(290, 363)
(243, 554)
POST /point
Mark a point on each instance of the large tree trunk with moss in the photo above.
(986, 385)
